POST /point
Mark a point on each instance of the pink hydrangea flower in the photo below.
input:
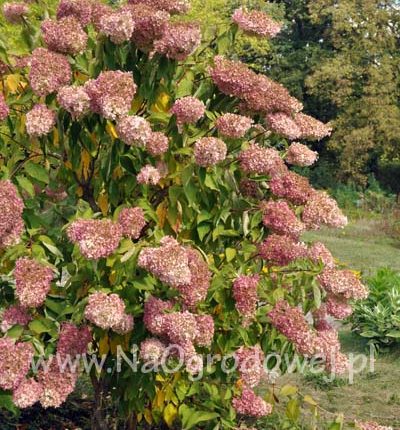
(105, 311)
(118, 25)
(99, 12)
(134, 130)
(49, 71)
(150, 24)
(180, 327)
(266, 96)
(111, 93)
(96, 238)
(300, 155)
(328, 348)
(261, 161)
(40, 120)
(15, 12)
(154, 310)
(157, 144)
(319, 252)
(149, 175)
(233, 126)
(74, 100)
(338, 307)
(15, 362)
(57, 385)
(13, 315)
(293, 187)
(321, 209)
(259, 93)
(188, 110)
(80, 9)
(344, 283)
(282, 250)
(32, 282)
(152, 351)
(291, 322)
(132, 222)
(256, 23)
(370, 426)
(209, 151)
(195, 291)
(4, 109)
(27, 393)
(311, 128)
(250, 363)
(232, 78)
(72, 340)
(284, 125)
(205, 330)
(65, 35)
(179, 40)
(281, 219)
(169, 262)
(246, 297)
(171, 6)
(252, 405)
(125, 326)
(11, 223)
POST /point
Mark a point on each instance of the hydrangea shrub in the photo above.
(148, 201)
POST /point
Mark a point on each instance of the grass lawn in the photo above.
(362, 245)
(373, 396)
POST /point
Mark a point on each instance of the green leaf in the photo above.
(293, 410)
(209, 182)
(230, 254)
(369, 333)
(15, 331)
(191, 417)
(7, 403)
(37, 172)
(393, 333)
(26, 185)
(202, 230)
(40, 326)
(317, 296)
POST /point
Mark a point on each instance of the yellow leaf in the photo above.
(288, 390)
(162, 103)
(68, 165)
(102, 202)
(111, 130)
(22, 124)
(139, 417)
(161, 212)
(137, 103)
(85, 163)
(218, 309)
(56, 137)
(81, 77)
(159, 399)
(170, 414)
(13, 82)
(160, 378)
(308, 399)
(104, 346)
(117, 173)
(79, 191)
(147, 416)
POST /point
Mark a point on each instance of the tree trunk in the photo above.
(98, 417)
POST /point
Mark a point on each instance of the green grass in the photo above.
(362, 245)
(373, 396)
